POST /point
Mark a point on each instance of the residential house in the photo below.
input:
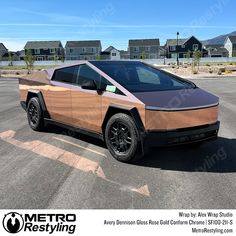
(3, 50)
(111, 53)
(10, 56)
(230, 45)
(144, 48)
(104, 55)
(216, 50)
(45, 50)
(124, 55)
(162, 52)
(83, 50)
(181, 47)
(21, 54)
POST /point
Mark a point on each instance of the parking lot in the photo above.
(61, 169)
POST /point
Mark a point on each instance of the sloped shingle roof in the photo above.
(2, 46)
(217, 47)
(214, 46)
(232, 39)
(42, 44)
(173, 42)
(144, 42)
(86, 43)
(110, 48)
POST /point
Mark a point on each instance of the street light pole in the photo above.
(177, 48)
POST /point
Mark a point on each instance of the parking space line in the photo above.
(69, 159)
(142, 190)
(55, 153)
(79, 146)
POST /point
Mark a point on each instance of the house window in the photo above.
(113, 54)
(71, 50)
(183, 46)
(39, 58)
(172, 48)
(136, 49)
(153, 56)
(52, 50)
(173, 55)
(148, 49)
(37, 51)
(195, 47)
(135, 57)
(84, 49)
(91, 49)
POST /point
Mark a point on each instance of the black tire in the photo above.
(35, 114)
(122, 137)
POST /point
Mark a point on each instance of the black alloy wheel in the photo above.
(122, 137)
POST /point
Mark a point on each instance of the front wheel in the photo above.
(122, 137)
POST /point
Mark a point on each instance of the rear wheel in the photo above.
(35, 114)
(122, 137)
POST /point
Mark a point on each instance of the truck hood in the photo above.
(185, 99)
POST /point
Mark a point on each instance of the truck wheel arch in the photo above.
(39, 95)
(133, 112)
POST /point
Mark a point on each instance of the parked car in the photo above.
(128, 104)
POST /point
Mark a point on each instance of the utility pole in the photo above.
(177, 48)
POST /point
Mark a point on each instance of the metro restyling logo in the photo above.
(13, 222)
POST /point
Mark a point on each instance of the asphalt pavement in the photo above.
(58, 168)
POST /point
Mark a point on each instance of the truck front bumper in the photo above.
(182, 136)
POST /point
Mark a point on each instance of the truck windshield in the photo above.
(139, 77)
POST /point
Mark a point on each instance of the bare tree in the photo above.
(29, 60)
(196, 58)
(62, 55)
(10, 59)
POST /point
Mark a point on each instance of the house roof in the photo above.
(232, 39)
(110, 48)
(123, 52)
(3, 46)
(144, 42)
(222, 50)
(173, 42)
(11, 53)
(21, 53)
(85, 43)
(216, 48)
(42, 44)
(162, 48)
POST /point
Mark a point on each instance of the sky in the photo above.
(113, 22)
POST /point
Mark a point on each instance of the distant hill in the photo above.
(218, 40)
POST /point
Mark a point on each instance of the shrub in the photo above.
(228, 72)
(210, 71)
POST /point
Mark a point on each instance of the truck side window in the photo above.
(110, 87)
(85, 73)
(65, 75)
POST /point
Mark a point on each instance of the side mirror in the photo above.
(102, 87)
(90, 85)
